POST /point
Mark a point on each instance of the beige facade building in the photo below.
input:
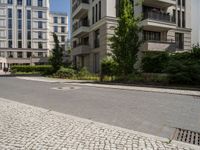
(25, 31)
(166, 27)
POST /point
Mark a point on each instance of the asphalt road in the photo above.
(154, 113)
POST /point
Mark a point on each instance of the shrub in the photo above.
(65, 73)
(155, 62)
(43, 69)
(184, 71)
(83, 72)
(108, 67)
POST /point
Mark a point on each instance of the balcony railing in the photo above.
(82, 23)
(159, 16)
(75, 6)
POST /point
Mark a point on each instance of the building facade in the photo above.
(25, 31)
(166, 27)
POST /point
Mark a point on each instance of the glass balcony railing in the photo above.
(75, 6)
(159, 16)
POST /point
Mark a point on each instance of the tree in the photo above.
(56, 59)
(126, 40)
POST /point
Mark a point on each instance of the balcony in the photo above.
(159, 3)
(158, 21)
(80, 8)
(80, 28)
(159, 46)
(81, 49)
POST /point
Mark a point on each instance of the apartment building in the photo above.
(25, 31)
(166, 27)
(59, 25)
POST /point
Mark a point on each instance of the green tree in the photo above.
(126, 40)
(56, 60)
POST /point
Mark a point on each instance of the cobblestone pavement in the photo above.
(24, 127)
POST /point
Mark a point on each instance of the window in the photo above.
(179, 2)
(19, 2)
(40, 3)
(29, 44)
(63, 20)
(19, 54)
(92, 15)
(9, 34)
(29, 25)
(62, 38)
(19, 34)
(183, 3)
(28, 2)
(19, 24)
(40, 45)
(10, 44)
(183, 19)
(10, 2)
(39, 35)
(29, 35)
(19, 44)
(10, 54)
(29, 54)
(151, 36)
(10, 23)
(40, 14)
(99, 10)
(40, 54)
(19, 14)
(63, 29)
(28, 14)
(96, 19)
(55, 19)
(9, 13)
(40, 25)
(55, 29)
(96, 39)
(179, 18)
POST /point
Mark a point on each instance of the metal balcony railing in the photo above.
(159, 16)
(82, 23)
(75, 6)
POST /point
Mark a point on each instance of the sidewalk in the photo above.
(26, 127)
(121, 87)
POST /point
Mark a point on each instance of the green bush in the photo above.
(83, 72)
(108, 67)
(65, 73)
(184, 71)
(43, 69)
(155, 62)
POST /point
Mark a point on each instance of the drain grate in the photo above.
(187, 136)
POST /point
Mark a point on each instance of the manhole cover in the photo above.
(187, 136)
(66, 88)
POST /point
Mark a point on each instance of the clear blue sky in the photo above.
(61, 6)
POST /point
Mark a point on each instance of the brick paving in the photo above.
(24, 127)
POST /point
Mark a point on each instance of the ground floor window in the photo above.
(179, 40)
(1, 66)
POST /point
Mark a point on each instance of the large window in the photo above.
(96, 38)
(40, 35)
(40, 14)
(55, 19)
(29, 44)
(19, 34)
(40, 26)
(29, 25)
(10, 23)
(40, 3)
(62, 38)
(63, 20)
(9, 13)
(10, 1)
(19, 13)
(40, 45)
(19, 54)
(19, 2)
(63, 29)
(10, 44)
(55, 29)
(28, 14)
(19, 44)
(9, 34)
(151, 36)
(19, 24)
(29, 35)
(28, 2)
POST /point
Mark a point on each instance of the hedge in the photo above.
(43, 69)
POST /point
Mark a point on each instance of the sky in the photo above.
(61, 6)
